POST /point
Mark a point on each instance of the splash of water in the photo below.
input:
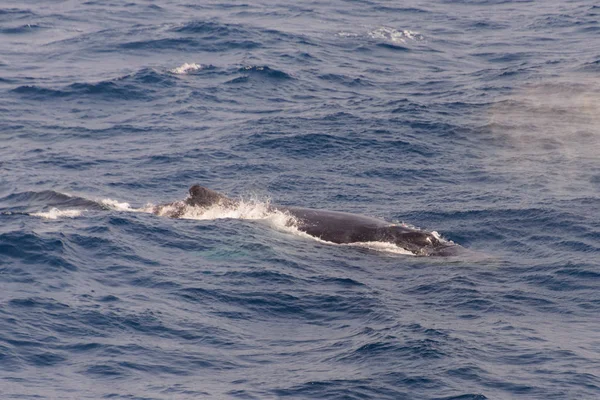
(55, 213)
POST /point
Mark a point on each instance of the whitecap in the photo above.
(347, 34)
(186, 68)
(393, 35)
(55, 213)
(116, 205)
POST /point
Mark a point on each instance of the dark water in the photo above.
(477, 119)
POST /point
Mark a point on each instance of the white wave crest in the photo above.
(55, 213)
(348, 34)
(186, 68)
(116, 205)
(393, 35)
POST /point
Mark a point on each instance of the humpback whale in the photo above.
(332, 226)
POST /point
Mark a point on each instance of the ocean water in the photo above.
(479, 120)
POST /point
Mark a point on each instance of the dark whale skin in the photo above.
(334, 226)
(341, 227)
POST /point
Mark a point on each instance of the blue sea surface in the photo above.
(477, 119)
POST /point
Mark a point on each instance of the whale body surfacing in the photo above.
(331, 226)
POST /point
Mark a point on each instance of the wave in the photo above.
(34, 91)
(190, 44)
(213, 35)
(386, 37)
(161, 44)
(31, 200)
(394, 36)
(239, 79)
(404, 10)
(143, 84)
(55, 213)
(150, 76)
(315, 144)
(392, 46)
(107, 89)
(261, 73)
(23, 29)
(212, 28)
(592, 66)
(48, 204)
(136, 86)
(264, 71)
(14, 13)
(186, 68)
(345, 80)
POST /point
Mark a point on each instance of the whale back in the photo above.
(335, 226)
(342, 227)
(331, 226)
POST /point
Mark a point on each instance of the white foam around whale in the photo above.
(252, 209)
(260, 210)
(116, 205)
(244, 209)
(55, 213)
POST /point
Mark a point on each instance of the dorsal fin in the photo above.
(204, 197)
